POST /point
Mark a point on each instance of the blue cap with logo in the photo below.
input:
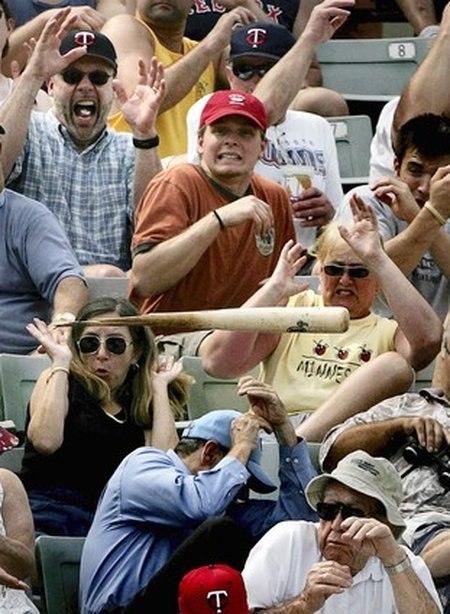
(216, 426)
(261, 39)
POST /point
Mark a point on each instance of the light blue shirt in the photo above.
(152, 503)
(89, 191)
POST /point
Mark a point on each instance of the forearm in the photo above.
(15, 115)
(70, 296)
(167, 263)
(164, 433)
(407, 248)
(410, 594)
(376, 438)
(440, 250)
(49, 405)
(420, 14)
(147, 165)
(292, 73)
(293, 606)
(15, 557)
(418, 323)
(21, 35)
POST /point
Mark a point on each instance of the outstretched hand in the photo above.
(363, 236)
(326, 18)
(282, 280)
(141, 108)
(45, 60)
(52, 342)
(166, 370)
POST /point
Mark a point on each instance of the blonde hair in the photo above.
(328, 240)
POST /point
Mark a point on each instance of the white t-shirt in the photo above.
(278, 565)
(302, 139)
(381, 152)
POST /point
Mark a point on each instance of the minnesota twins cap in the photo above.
(261, 39)
(97, 45)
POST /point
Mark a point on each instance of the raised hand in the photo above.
(326, 18)
(45, 58)
(372, 538)
(166, 370)
(282, 281)
(439, 191)
(396, 194)
(141, 108)
(220, 35)
(264, 401)
(54, 344)
(363, 236)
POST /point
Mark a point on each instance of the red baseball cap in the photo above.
(233, 102)
(212, 589)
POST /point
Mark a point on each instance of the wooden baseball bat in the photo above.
(260, 319)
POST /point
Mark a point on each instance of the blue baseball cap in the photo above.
(261, 39)
(216, 426)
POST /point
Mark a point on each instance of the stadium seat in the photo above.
(116, 287)
(370, 69)
(353, 135)
(18, 374)
(208, 393)
(58, 565)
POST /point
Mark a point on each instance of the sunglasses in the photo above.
(244, 73)
(329, 511)
(89, 344)
(337, 270)
(73, 76)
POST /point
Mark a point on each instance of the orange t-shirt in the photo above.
(230, 269)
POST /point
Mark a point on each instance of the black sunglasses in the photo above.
(337, 270)
(329, 511)
(245, 72)
(73, 76)
(89, 344)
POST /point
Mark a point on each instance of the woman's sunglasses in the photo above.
(89, 344)
(337, 270)
(329, 511)
(245, 73)
(73, 76)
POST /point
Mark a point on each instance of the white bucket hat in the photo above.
(372, 476)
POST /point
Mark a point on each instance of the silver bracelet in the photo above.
(393, 570)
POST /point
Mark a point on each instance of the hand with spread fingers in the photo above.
(52, 342)
(282, 282)
(396, 194)
(45, 58)
(363, 236)
(166, 370)
(141, 108)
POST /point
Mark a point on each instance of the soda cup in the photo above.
(297, 178)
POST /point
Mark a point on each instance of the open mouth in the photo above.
(229, 156)
(85, 110)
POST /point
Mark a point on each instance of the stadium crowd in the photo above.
(183, 147)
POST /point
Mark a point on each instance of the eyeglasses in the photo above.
(329, 511)
(89, 344)
(337, 270)
(73, 76)
(245, 73)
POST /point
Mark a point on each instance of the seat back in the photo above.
(208, 393)
(58, 564)
(18, 375)
(353, 135)
(374, 69)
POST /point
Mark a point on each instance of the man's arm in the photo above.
(292, 69)
(233, 353)
(133, 41)
(45, 61)
(427, 90)
(70, 296)
(164, 265)
(17, 546)
(419, 14)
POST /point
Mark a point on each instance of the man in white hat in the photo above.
(350, 561)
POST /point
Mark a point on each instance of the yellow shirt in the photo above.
(306, 368)
(171, 125)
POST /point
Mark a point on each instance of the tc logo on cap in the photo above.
(84, 39)
(215, 598)
(256, 37)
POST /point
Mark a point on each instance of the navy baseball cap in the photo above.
(261, 39)
(216, 425)
(97, 45)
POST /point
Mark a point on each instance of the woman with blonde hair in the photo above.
(104, 395)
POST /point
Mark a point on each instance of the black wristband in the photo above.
(219, 219)
(146, 143)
